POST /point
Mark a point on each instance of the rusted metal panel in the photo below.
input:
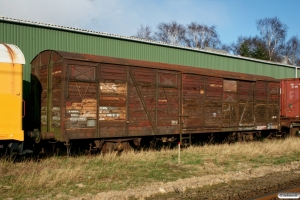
(43, 58)
(290, 104)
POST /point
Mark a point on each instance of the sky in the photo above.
(232, 18)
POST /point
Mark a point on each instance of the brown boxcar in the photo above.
(88, 96)
(290, 106)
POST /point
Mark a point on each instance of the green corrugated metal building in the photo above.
(33, 38)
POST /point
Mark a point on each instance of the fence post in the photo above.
(178, 152)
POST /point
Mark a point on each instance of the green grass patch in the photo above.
(74, 176)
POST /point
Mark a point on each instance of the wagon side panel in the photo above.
(213, 103)
(274, 105)
(290, 98)
(193, 92)
(246, 91)
(80, 115)
(261, 106)
(142, 104)
(112, 101)
(168, 102)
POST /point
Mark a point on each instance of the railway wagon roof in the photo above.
(10, 53)
(42, 59)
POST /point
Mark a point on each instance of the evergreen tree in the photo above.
(245, 50)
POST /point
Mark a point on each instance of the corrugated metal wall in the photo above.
(33, 39)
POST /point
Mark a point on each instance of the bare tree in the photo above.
(273, 33)
(292, 50)
(201, 35)
(144, 32)
(171, 33)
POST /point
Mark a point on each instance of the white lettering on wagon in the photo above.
(215, 85)
(73, 111)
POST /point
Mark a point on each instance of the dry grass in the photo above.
(73, 176)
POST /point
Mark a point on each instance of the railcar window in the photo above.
(229, 85)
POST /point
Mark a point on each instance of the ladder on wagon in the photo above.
(186, 139)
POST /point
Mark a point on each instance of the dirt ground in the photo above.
(241, 189)
(244, 184)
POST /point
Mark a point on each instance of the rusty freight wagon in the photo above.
(102, 99)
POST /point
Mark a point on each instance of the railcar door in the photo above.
(273, 105)
(168, 102)
(153, 104)
(192, 118)
(213, 102)
(142, 101)
(261, 106)
(230, 104)
(112, 101)
(246, 91)
(81, 102)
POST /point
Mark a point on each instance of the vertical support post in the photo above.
(180, 137)
(98, 81)
(156, 95)
(180, 112)
(178, 152)
(128, 85)
(49, 92)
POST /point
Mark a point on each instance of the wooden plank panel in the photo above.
(43, 79)
(145, 80)
(261, 99)
(56, 97)
(213, 88)
(193, 101)
(81, 106)
(112, 100)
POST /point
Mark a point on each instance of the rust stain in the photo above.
(12, 56)
(11, 52)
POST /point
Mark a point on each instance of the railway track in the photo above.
(292, 193)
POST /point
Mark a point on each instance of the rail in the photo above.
(283, 194)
